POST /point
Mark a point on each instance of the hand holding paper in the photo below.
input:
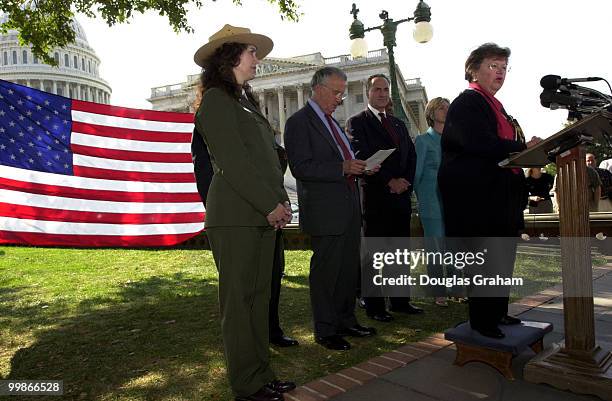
(377, 158)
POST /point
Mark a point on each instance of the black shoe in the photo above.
(357, 331)
(334, 342)
(408, 309)
(509, 320)
(381, 317)
(283, 341)
(491, 332)
(264, 394)
(280, 387)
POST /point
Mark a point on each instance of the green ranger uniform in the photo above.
(247, 185)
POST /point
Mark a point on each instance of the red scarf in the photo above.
(504, 128)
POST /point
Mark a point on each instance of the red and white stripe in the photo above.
(133, 184)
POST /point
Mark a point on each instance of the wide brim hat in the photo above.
(233, 34)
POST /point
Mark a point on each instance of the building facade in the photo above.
(282, 86)
(76, 76)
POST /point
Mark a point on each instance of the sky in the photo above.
(559, 37)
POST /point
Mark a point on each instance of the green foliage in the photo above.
(551, 169)
(46, 24)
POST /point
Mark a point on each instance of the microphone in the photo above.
(555, 100)
(553, 82)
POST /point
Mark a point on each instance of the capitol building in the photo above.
(282, 86)
(76, 76)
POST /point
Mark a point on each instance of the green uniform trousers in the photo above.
(244, 257)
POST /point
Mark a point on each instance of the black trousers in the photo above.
(334, 272)
(278, 268)
(488, 305)
(386, 222)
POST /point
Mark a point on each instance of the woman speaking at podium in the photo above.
(481, 200)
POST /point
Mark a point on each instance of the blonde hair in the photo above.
(431, 107)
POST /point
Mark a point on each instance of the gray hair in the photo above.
(320, 76)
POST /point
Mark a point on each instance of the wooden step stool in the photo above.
(474, 347)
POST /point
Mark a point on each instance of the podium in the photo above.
(577, 364)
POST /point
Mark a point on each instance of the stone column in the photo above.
(41, 85)
(29, 83)
(55, 87)
(281, 110)
(262, 102)
(348, 106)
(365, 91)
(300, 96)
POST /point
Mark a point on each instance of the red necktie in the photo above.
(389, 128)
(346, 153)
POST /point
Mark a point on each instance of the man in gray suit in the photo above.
(322, 161)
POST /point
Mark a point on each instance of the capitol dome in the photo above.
(76, 76)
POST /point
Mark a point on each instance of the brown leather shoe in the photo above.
(264, 394)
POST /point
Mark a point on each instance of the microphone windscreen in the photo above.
(550, 82)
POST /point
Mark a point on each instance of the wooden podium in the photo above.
(577, 364)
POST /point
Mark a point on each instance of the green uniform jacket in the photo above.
(248, 181)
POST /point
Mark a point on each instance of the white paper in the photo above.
(377, 158)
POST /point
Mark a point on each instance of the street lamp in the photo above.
(422, 33)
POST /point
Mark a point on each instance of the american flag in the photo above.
(76, 173)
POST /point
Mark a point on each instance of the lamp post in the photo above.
(422, 33)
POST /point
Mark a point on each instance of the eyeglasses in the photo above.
(497, 67)
(339, 95)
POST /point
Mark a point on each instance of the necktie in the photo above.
(345, 151)
(389, 128)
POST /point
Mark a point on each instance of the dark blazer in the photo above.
(479, 198)
(369, 136)
(202, 167)
(316, 163)
(248, 181)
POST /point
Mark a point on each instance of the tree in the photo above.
(46, 24)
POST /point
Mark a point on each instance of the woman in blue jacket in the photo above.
(426, 186)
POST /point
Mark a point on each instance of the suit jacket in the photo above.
(479, 198)
(429, 154)
(248, 182)
(315, 161)
(369, 136)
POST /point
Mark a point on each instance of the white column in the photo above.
(300, 96)
(365, 91)
(281, 110)
(55, 87)
(348, 112)
(41, 85)
(262, 102)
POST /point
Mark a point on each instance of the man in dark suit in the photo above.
(387, 194)
(204, 172)
(324, 165)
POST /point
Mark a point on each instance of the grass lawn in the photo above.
(144, 324)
